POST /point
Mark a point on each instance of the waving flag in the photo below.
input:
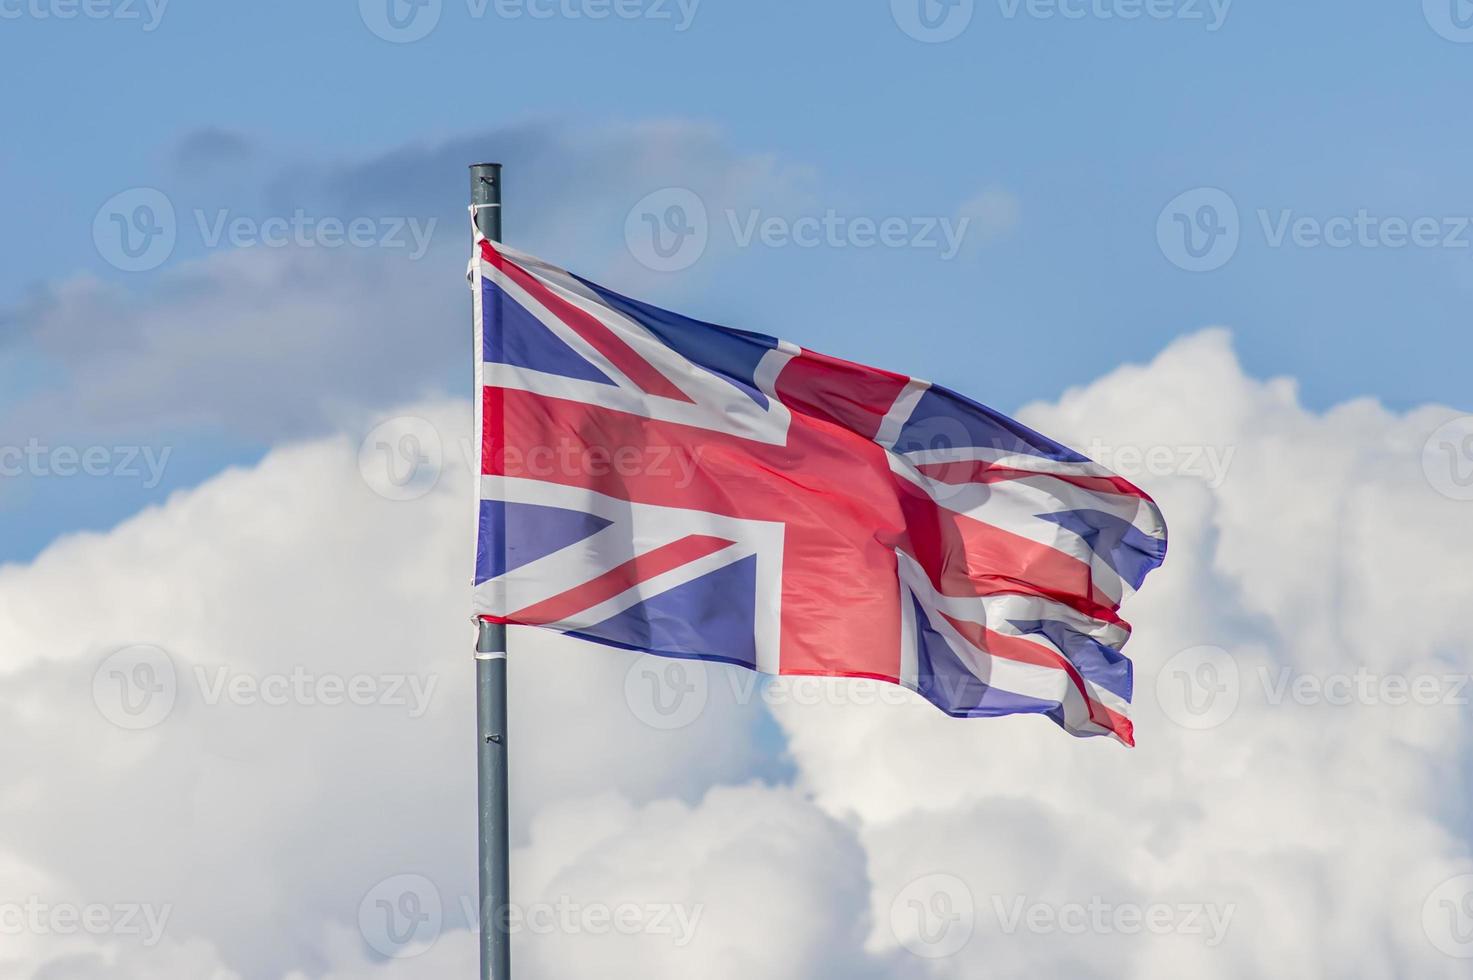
(657, 483)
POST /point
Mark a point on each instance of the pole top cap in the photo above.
(477, 166)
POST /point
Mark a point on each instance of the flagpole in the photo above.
(491, 749)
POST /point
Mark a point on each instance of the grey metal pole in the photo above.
(491, 701)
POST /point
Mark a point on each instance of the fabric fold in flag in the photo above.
(658, 483)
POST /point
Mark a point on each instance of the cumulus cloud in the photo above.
(1253, 833)
(752, 881)
(253, 793)
(1323, 826)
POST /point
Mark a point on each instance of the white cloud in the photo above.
(1315, 833)
(750, 882)
(252, 818)
(1324, 550)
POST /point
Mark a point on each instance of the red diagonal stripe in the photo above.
(981, 471)
(996, 644)
(604, 340)
(621, 579)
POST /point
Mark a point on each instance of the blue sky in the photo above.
(1085, 126)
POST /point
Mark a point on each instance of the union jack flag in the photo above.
(657, 483)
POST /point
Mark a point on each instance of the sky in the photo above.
(1222, 246)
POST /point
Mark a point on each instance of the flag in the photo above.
(657, 483)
